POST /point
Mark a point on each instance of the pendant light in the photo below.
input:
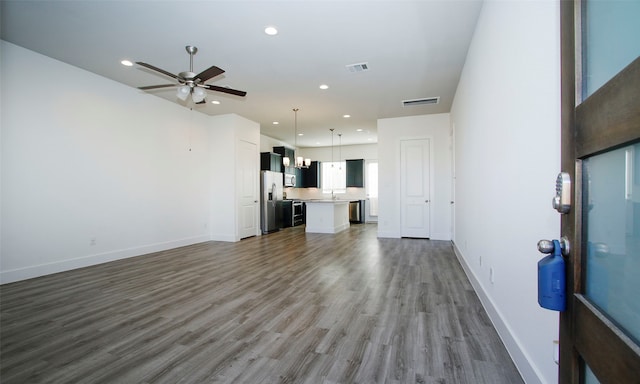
(340, 150)
(332, 161)
(300, 162)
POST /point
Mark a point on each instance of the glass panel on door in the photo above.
(611, 214)
(610, 40)
(589, 377)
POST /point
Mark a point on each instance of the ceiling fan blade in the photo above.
(207, 74)
(156, 86)
(151, 67)
(224, 89)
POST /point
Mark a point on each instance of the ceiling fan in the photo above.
(190, 83)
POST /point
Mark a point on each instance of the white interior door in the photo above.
(248, 187)
(415, 188)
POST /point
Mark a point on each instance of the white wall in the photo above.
(361, 151)
(226, 131)
(506, 116)
(390, 132)
(86, 159)
(267, 143)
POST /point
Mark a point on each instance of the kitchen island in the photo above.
(327, 216)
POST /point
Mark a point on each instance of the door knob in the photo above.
(547, 247)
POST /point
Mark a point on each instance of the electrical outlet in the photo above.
(92, 241)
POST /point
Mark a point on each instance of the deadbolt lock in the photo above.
(562, 199)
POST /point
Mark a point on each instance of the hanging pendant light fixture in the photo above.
(332, 162)
(300, 162)
(340, 151)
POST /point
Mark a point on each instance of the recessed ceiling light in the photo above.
(359, 130)
(346, 116)
(324, 86)
(215, 102)
(127, 63)
(271, 31)
(276, 123)
(300, 134)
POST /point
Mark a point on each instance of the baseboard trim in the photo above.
(225, 237)
(396, 235)
(31, 272)
(529, 373)
(441, 236)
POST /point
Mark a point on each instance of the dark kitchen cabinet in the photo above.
(270, 162)
(299, 180)
(355, 173)
(286, 152)
(311, 175)
(287, 213)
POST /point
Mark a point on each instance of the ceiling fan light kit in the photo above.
(190, 83)
(198, 94)
(183, 92)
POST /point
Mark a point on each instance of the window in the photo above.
(334, 177)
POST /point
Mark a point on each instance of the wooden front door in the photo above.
(600, 330)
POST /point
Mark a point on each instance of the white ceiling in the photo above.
(414, 49)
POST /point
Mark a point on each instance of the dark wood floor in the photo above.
(288, 307)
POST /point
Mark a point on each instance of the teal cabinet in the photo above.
(355, 173)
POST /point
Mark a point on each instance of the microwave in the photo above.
(289, 180)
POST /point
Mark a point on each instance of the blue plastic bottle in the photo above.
(551, 280)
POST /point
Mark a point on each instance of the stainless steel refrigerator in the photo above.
(270, 201)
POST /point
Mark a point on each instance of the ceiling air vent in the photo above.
(423, 101)
(360, 67)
